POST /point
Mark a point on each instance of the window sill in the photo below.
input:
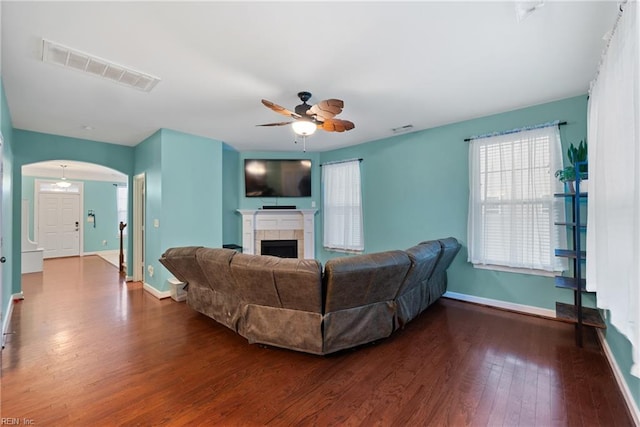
(506, 269)
(344, 251)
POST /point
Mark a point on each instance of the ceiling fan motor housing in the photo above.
(302, 108)
(304, 96)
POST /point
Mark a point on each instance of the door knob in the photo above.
(3, 260)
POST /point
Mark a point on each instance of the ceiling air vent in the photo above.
(402, 129)
(58, 54)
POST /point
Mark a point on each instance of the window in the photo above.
(121, 205)
(51, 187)
(342, 204)
(512, 208)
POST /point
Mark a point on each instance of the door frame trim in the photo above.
(139, 183)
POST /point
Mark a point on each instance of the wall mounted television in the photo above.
(277, 177)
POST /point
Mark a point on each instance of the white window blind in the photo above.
(342, 207)
(512, 208)
(121, 203)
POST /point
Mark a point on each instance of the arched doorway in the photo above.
(71, 208)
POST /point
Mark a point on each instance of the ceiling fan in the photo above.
(308, 118)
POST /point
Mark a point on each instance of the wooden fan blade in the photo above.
(276, 124)
(337, 125)
(279, 109)
(326, 109)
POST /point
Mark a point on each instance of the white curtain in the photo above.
(613, 225)
(512, 208)
(342, 206)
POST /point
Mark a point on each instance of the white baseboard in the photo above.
(617, 373)
(7, 319)
(528, 309)
(156, 293)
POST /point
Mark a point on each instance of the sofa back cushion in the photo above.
(216, 266)
(279, 282)
(450, 248)
(364, 279)
(438, 279)
(182, 263)
(423, 260)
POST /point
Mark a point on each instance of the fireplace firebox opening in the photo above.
(279, 248)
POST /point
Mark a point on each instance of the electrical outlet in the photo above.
(150, 270)
(313, 203)
(104, 243)
(156, 223)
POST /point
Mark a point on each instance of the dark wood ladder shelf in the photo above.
(571, 224)
(577, 314)
(590, 316)
(566, 282)
(569, 253)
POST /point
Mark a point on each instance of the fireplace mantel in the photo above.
(296, 224)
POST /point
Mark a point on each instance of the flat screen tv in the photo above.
(277, 178)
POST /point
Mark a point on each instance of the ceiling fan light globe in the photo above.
(303, 127)
(63, 184)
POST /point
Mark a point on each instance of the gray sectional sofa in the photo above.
(293, 303)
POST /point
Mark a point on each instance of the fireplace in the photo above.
(279, 248)
(293, 225)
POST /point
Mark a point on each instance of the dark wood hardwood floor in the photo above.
(88, 349)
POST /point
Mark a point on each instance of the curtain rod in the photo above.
(340, 161)
(507, 132)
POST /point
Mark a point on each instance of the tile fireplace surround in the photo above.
(279, 224)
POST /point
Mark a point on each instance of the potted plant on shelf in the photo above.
(567, 175)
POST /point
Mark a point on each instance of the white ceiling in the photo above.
(393, 64)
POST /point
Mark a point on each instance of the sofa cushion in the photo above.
(279, 282)
(424, 257)
(216, 266)
(364, 279)
(183, 264)
(438, 280)
(220, 299)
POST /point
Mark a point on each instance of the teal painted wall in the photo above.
(33, 147)
(99, 196)
(148, 161)
(184, 178)
(230, 196)
(191, 190)
(9, 233)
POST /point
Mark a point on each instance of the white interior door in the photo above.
(59, 224)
